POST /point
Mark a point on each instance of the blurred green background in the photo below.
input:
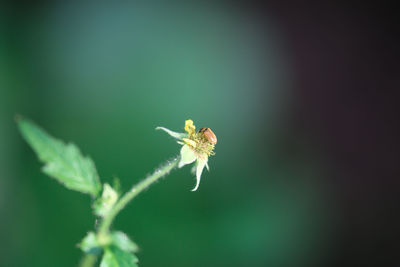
(104, 76)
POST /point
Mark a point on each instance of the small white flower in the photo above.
(196, 147)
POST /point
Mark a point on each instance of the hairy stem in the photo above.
(89, 259)
(142, 185)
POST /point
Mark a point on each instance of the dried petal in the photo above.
(189, 127)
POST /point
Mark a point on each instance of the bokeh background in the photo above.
(303, 99)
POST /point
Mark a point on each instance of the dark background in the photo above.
(303, 99)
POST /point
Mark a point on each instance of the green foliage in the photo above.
(118, 248)
(64, 162)
(122, 241)
(90, 245)
(116, 257)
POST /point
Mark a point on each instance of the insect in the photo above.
(209, 135)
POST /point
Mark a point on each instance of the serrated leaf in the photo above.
(115, 257)
(89, 244)
(64, 162)
(122, 241)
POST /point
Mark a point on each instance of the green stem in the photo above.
(142, 185)
(88, 260)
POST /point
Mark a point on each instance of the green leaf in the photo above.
(122, 241)
(89, 244)
(64, 162)
(115, 257)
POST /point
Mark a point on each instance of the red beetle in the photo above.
(209, 135)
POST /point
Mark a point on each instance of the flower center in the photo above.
(198, 141)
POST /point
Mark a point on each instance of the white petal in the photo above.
(193, 169)
(187, 156)
(208, 168)
(172, 133)
(200, 166)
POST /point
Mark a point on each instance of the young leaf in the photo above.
(89, 244)
(122, 241)
(115, 257)
(64, 162)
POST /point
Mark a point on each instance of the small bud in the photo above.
(104, 204)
